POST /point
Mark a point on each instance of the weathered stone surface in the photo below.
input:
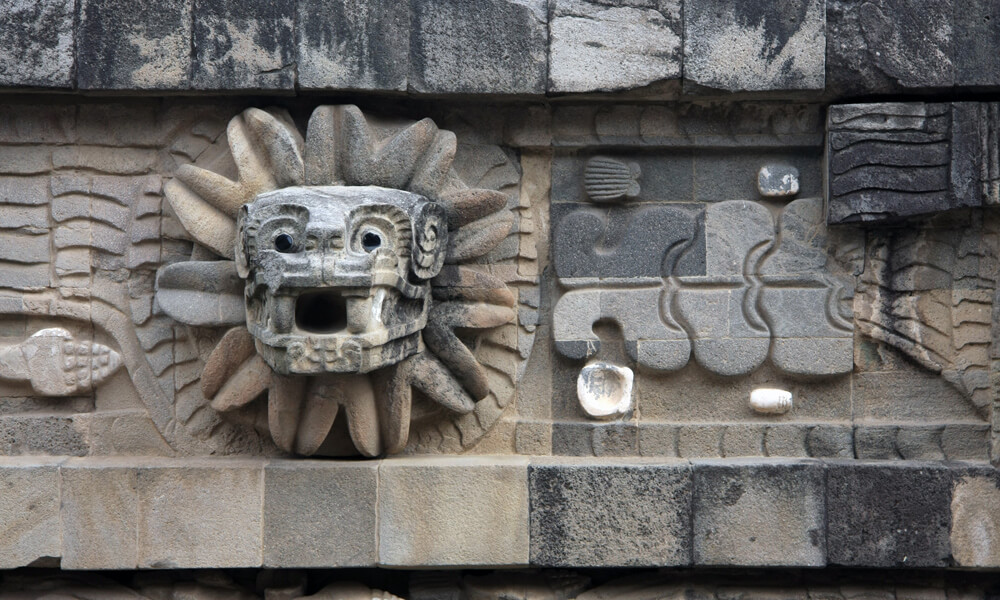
(911, 530)
(625, 45)
(976, 38)
(100, 514)
(778, 181)
(320, 514)
(751, 514)
(29, 511)
(206, 293)
(975, 522)
(122, 48)
(737, 46)
(200, 514)
(37, 43)
(890, 45)
(453, 511)
(478, 46)
(243, 45)
(351, 44)
(609, 514)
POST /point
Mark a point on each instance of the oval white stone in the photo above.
(771, 401)
(604, 390)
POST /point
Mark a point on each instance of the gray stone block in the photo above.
(759, 514)
(37, 43)
(610, 514)
(478, 46)
(977, 40)
(830, 441)
(625, 45)
(975, 521)
(320, 514)
(889, 45)
(100, 514)
(888, 515)
(876, 443)
(739, 45)
(453, 511)
(353, 44)
(572, 439)
(200, 514)
(29, 511)
(122, 48)
(663, 177)
(243, 45)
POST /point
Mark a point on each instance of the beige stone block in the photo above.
(200, 514)
(975, 521)
(456, 511)
(29, 510)
(320, 513)
(99, 514)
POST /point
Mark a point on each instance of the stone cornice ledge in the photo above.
(479, 511)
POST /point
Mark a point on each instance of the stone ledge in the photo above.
(119, 513)
(504, 47)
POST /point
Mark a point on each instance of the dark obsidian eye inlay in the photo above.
(284, 243)
(370, 241)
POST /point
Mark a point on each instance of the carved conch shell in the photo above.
(607, 179)
(604, 390)
(56, 364)
(771, 401)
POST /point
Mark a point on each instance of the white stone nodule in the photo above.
(604, 390)
(771, 401)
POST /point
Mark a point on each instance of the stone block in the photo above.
(572, 439)
(876, 443)
(100, 514)
(612, 514)
(478, 46)
(453, 511)
(37, 43)
(889, 45)
(597, 46)
(662, 177)
(830, 441)
(893, 514)
(751, 513)
(976, 39)
(244, 45)
(320, 514)
(975, 521)
(353, 44)
(657, 439)
(700, 441)
(737, 45)
(29, 511)
(200, 514)
(124, 47)
(966, 442)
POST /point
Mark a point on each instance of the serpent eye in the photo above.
(371, 241)
(284, 243)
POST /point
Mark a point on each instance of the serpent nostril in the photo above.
(321, 312)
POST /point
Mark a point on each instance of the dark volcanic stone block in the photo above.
(888, 515)
(755, 45)
(122, 47)
(882, 46)
(977, 43)
(642, 241)
(353, 44)
(479, 46)
(36, 43)
(610, 515)
(244, 45)
(754, 514)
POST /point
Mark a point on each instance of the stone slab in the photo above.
(625, 45)
(320, 514)
(121, 48)
(29, 510)
(975, 520)
(244, 45)
(100, 514)
(755, 45)
(353, 44)
(200, 513)
(478, 46)
(37, 43)
(976, 43)
(753, 513)
(455, 511)
(890, 514)
(609, 514)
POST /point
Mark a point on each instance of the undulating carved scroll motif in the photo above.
(723, 283)
(356, 267)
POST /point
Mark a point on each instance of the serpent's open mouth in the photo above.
(322, 312)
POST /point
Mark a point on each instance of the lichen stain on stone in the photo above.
(242, 46)
(160, 67)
